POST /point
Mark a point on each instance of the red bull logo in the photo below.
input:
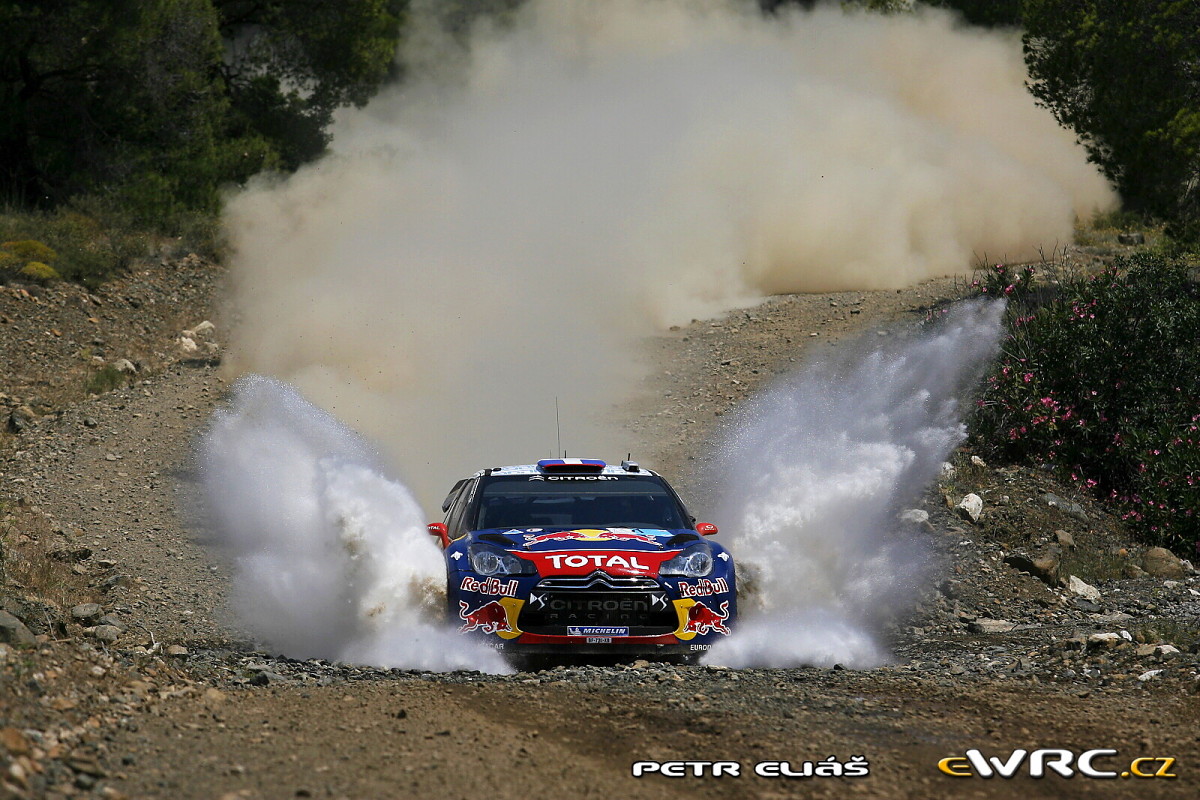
(489, 586)
(703, 587)
(599, 535)
(702, 619)
(489, 618)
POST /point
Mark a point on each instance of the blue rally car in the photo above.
(574, 556)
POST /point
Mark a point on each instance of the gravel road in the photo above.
(183, 705)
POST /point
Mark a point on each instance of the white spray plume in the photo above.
(330, 557)
(812, 479)
(505, 226)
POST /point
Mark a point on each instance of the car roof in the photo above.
(625, 468)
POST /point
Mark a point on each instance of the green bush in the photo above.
(1100, 378)
(42, 273)
(82, 247)
(31, 250)
(105, 379)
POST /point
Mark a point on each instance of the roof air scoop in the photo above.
(571, 465)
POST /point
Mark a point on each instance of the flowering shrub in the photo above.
(1100, 379)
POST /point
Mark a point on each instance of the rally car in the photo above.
(576, 556)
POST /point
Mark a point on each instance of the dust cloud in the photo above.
(501, 229)
(812, 479)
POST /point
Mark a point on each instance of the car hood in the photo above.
(566, 538)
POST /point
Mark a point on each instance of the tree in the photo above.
(987, 13)
(114, 97)
(154, 104)
(1125, 75)
(292, 63)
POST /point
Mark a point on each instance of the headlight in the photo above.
(489, 560)
(694, 562)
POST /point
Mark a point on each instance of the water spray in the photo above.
(813, 475)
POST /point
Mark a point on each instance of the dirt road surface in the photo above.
(182, 705)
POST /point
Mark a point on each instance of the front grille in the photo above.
(638, 604)
(600, 581)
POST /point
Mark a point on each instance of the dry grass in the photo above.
(1182, 634)
(26, 564)
(1094, 564)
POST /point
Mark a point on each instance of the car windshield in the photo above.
(523, 501)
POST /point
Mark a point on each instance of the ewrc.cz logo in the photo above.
(973, 764)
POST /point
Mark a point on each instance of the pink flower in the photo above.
(1027, 377)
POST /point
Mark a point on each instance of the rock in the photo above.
(21, 418)
(917, 518)
(1131, 239)
(72, 554)
(1044, 568)
(86, 613)
(1149, 675)
(85, 763)
(1085, 590)
(948, 470)
(970, 507)
(266, 677)
(13, 630)
(40, 616)
(113, 581)
(1162, 563)
(1064, 539)
(188, 346)
(1104, 640)
(177, 650)
(124, 365)
(952, 589)
(1133, 571)
(14, 742)
(1166, 650)
(104, 633)
(205, 328)
(985, 625)
(977, 461)
(1065, 506)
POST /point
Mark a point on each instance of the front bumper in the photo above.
(596, 614)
